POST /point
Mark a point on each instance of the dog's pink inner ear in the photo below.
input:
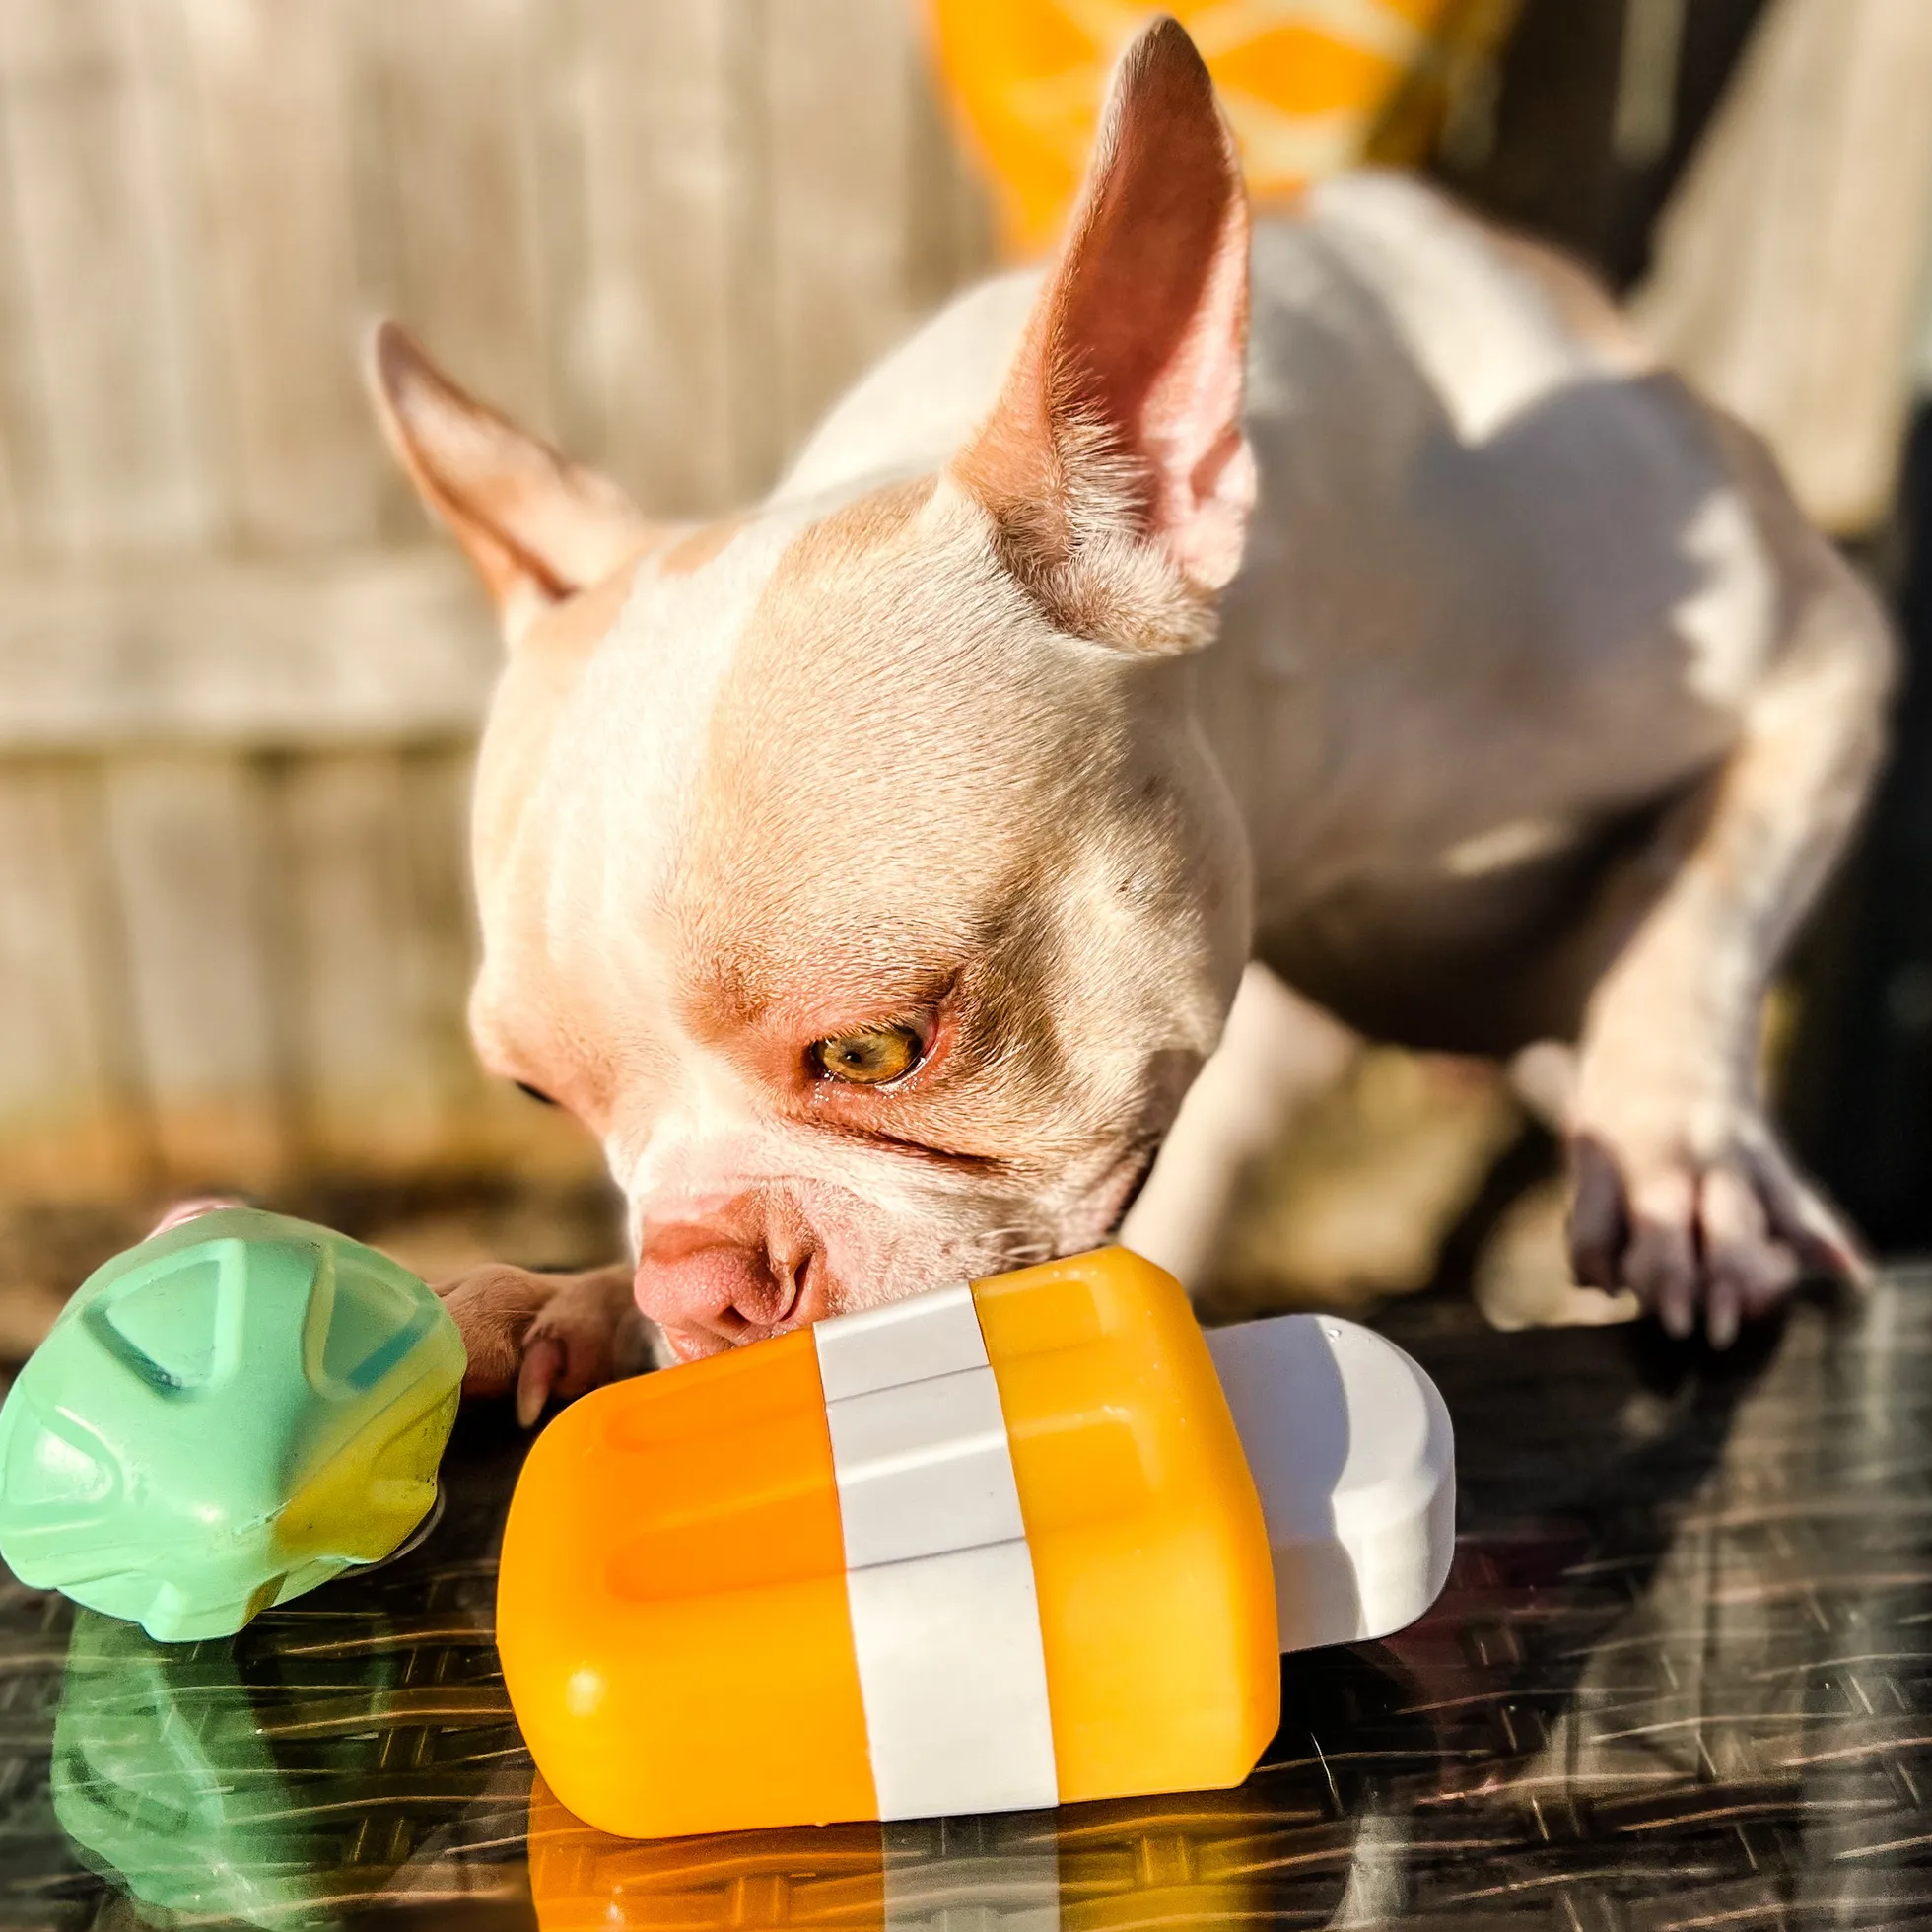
(1124, 402)
(536, 526)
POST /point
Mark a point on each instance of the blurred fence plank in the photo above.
(19, 400)
(69, 1119)
(842, 187)
(106, 275)
(269, 93)
(672, 202)
(369, 1091)
(363, 647)
(452, 195)
(1791, 269)
(191, 863)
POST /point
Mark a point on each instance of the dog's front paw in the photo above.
(544, 1334)
(1697, 1209)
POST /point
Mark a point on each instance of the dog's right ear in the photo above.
(536, 526)
(1114, 465)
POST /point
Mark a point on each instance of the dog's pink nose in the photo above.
(732, 1278)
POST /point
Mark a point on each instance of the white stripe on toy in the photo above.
(939, 1575)
(907, 1342)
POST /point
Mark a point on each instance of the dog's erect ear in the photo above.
(1119, 429)
(536, 526)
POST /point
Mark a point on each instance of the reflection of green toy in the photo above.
(224, 1418)
(171, 1778)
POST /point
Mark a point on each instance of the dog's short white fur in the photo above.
(1466, 674)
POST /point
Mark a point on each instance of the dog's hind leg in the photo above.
(1278, 1052)
(1682, 1191)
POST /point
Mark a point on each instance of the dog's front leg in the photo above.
(1681, 1190)
(1278, 1052)
(541, 1335)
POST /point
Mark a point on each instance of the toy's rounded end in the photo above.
(1351, 1449)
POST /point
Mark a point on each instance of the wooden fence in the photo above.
(238, 678)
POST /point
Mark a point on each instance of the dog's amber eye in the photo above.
(869, 1057)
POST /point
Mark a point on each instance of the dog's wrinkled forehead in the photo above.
(827, 733)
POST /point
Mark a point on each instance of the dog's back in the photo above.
(1506, 584)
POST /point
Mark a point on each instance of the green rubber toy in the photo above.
(224, 1418)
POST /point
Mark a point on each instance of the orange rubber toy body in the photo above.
(997, 1547)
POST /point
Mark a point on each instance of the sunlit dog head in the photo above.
(856, 869)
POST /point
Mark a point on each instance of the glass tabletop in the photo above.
(1682, 1677)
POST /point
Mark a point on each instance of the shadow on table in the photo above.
(1682, 1672)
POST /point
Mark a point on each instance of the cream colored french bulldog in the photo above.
(874, 873)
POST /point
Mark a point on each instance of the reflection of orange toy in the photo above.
(1039, 1571)
(1309, 85)
(583, 1880)
(1197, 1860)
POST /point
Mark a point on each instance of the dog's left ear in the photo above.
(1114, 465)
(536, 526)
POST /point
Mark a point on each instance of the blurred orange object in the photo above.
(1308, 85)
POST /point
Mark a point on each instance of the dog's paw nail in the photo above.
(1721, 1318)
(543, 1361)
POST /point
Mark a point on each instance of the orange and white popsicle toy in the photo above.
(1001, 1546)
